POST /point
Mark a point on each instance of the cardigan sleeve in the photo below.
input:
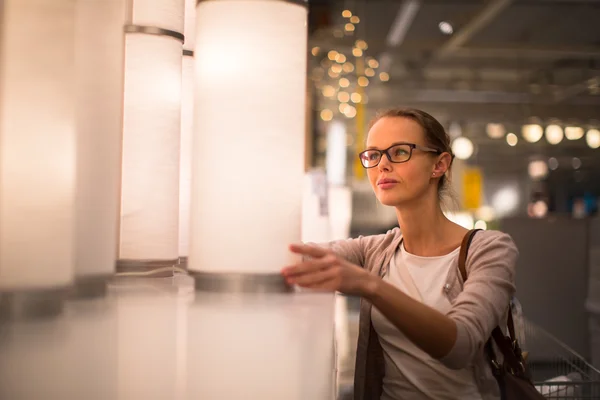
(485, 298)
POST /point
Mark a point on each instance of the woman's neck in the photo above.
(425, 229)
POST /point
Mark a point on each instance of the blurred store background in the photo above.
(516, 84)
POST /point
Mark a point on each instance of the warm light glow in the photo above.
(462, 148)
(480, 224)
(328, 91)
(349, 27)
(37, 144)
(592, 138)
(532, 132)
(340, 58)
(361, 44)
(363, 81)
(336, 153)
(356, 97)
(348, 67)
(463, 219)
(574, 132)
(344, 83)
(384, 76)
(350, 111)
(512, 139)
(505, 201)
(446, 28)
(356, 52)
(495, 131)
(369, 72)
(343, 97)
(332, 55)
(343, 107)
(373, 63)
(354, 19)
(554, 134)
(272, 124)
(537, 169)
(486, 213)
(346, 13)
(336, 68)
(539, 209)
(332, 73)
(315, 51)
(326, 115)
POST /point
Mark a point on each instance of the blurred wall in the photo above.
(552, 276)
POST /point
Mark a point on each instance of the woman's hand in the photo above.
(326, 271)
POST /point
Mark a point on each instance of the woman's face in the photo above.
(396, 184)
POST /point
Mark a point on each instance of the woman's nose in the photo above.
(385, 164)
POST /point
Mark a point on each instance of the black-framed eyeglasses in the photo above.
(397, 153)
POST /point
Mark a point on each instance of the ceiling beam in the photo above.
(480, 21)
(448, 96)
(576, 89)
(529, 52)
(404, 19)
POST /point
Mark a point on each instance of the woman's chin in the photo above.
(387, 199)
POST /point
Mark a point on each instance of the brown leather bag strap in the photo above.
(464, 250)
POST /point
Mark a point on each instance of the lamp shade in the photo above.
(151, 130)
(249, 127)
(37, 144)
(187, 110)
(99, 107)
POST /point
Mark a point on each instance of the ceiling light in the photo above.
(574, 132)
(446, 28)
(495, 131)
(592, 138)
(512, 139)
(532, 132)
(462, 148)
(537, 169)
(554, 134)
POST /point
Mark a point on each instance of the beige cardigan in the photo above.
(477, 308)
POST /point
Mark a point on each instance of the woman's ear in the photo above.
(442, 164)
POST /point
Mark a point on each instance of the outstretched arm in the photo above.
(453, 338)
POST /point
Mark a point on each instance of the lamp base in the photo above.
(146, 268)
(30, 304)
(90, 287)
(183, 263)
(240, 282)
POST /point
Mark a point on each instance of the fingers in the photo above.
(314, 279)
(309, 250)
(309, 266)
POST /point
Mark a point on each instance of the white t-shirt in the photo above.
(410, 373)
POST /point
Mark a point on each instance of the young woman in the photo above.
(422, 332)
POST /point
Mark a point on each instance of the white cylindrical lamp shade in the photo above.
(151, 130)
(99, 77)
(187, 111)
(248, 144)
(37, 144)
